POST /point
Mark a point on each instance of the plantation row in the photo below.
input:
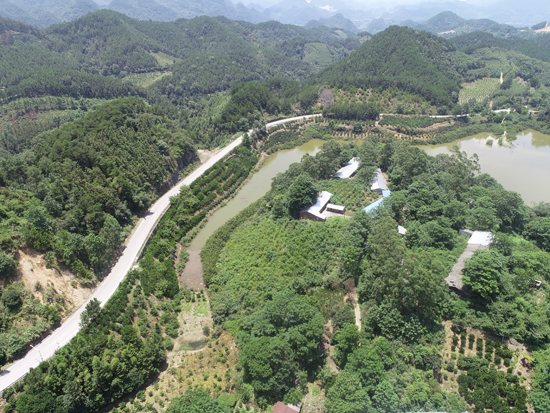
(188, 209)
(500, 351)
(412, 122)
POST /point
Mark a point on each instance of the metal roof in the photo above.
(348, 170)
(336, 207)
(480, 238)
(379, 182)
(370, 208)
(317, 207)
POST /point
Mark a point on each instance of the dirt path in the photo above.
(192, 274)
(352, 297)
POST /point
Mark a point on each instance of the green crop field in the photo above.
(478, 90)
(145, 79)
(318, 54)
(164, 59)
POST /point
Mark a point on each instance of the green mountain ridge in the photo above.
(411, 60)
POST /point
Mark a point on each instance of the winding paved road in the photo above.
(62, 335)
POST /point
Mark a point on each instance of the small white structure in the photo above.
(349, 170)
(480, 238)
(402, 230)
(339, 209)
(379, 183)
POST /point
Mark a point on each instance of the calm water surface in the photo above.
(255, 188)
(524, 168)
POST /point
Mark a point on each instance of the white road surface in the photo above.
(62, 335)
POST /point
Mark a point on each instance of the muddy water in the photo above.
(523, 168)
(255, 188)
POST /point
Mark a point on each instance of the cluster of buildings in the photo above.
(323, 209)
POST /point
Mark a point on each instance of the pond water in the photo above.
(255, 188)
(522, 168)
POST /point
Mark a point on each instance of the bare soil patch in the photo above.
(32, 270)
(192, 274)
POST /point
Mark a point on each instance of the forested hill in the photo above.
(536, 48)
(66, 59)
(411, 60)
(89, 179)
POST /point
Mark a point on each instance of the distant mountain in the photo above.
(338, 21)
(43, 13)
(143, 10)
(448, 24)
(379, 25)
(302, 12)
(66, 10)
(12, 11)
(193, 8)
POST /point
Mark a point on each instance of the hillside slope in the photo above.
(414, 61)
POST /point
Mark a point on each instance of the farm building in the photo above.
(316, 212)
(280, 407)
(370, 209)
(379, 183)
(349, 170)
(339, 209)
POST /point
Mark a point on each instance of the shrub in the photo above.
(168, 344)
(11, 298)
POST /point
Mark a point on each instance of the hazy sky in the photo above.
(370, 3)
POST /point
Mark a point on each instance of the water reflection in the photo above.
(521, 168)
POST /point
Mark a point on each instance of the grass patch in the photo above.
(201, 309)
(145, 79)
(164, 59)
(479, 90)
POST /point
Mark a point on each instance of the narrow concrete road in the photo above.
(62, 335)
(454, 279)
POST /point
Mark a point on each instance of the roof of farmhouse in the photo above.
(348, 170)
(379, 182)
(317, 207)
(375, 205)
(480, 238)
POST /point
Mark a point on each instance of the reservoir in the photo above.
(522, 168)
(255, 188)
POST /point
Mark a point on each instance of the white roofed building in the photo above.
(379, 183)
(349, 170)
